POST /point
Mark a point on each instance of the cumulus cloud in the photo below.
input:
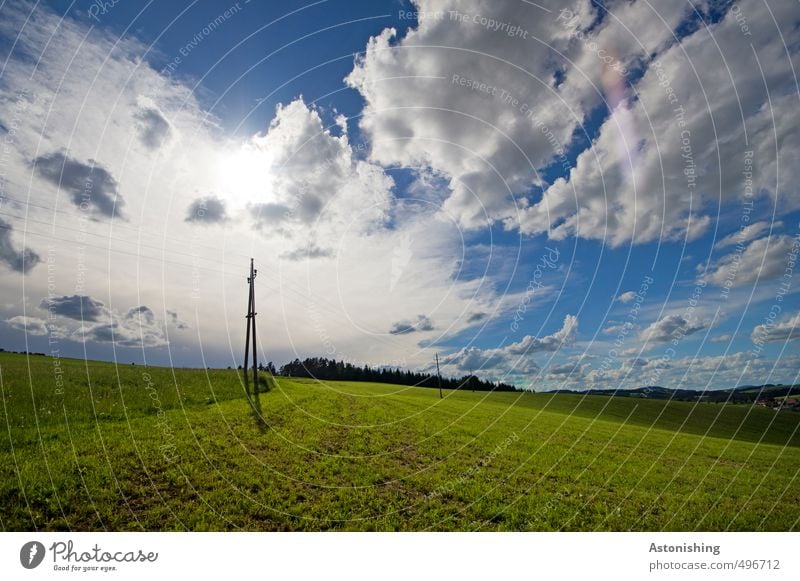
(422, 323)
(670, 327)
(626, 297)
(693, 372)
(572, 371)
(490, 111)
(176, 321)
(530, 344)
(315, 181)
(761, 259)
(35, 326)
(17, 260)
(78, 307)
(785, 330)
(682, 142)
(721, 338)
(90, 186)
(425, 109)
(153, 129)
(138, 327)
(120, 334)
(513, 358)
(746, 234)
(142, 314)
(207, 210)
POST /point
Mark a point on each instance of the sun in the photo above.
(244, 175)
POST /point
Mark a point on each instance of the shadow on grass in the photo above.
(253, 391)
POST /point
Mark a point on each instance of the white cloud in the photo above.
(635, 183)
(516, 358)
(423, 112)
(10, 256)
(342, 262)
(670, 327)
(746, 234)
(36, 327)
(617, 328)
(786, 330)
(694, 372)
(138, 327)
(154, 129)
(761, 259)
(659, 159)
(315, 185)
(310, 192)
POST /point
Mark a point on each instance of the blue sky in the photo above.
(553, 195)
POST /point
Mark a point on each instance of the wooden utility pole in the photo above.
(251, 326)
(439, 375)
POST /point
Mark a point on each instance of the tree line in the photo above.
(331, 369)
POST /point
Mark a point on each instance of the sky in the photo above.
(559, 195)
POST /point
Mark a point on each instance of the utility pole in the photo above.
(472, 381)
(251, 326)
(439, 375)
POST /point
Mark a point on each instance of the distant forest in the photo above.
(330, 369)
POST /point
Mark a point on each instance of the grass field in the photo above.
(93, 446)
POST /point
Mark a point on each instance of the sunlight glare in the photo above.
(244, 175)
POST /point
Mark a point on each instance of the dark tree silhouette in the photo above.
(330, 369)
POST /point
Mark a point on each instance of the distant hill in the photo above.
(766, 394)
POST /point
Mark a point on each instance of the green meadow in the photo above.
(94, 446)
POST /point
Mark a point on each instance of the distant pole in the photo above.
(471, 381)
(439, 375)
(251, 326)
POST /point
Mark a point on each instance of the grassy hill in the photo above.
(92, 446)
